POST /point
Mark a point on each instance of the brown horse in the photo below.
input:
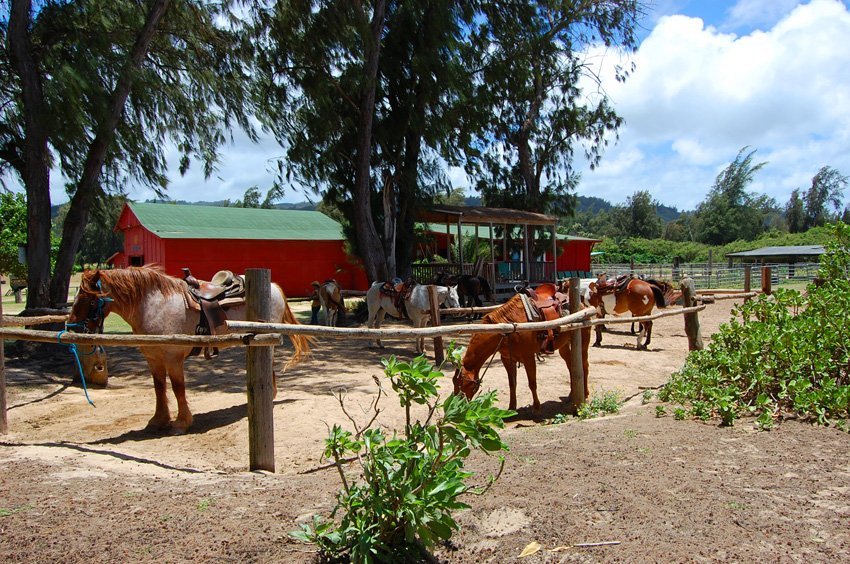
(153, 303)
(513, 349)
(333, 306)
(636, 296)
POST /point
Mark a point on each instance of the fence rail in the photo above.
(707, 275)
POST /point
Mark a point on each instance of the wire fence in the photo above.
(707, 275)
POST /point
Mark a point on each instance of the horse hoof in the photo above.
(157, 425)
(597, 345)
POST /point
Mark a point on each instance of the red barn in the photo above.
(297, 246)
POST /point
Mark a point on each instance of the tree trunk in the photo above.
(368, 240)
(36, 156)
(81, 203)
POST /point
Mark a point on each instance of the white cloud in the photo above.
(699, 95)
(757, 13)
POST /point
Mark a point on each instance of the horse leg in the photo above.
(161, 417)
(531, 374)
(648, 334)
(178, 386)
(376, 323)
(511, 368)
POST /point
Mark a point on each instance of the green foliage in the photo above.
(782, 353)
(13, 232)
(597, 406)
(411, 484)
(729, 212)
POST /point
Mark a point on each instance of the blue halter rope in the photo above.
(98, 317)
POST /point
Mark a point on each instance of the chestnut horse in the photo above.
(638, 297)
(514, 348)
(153, 303)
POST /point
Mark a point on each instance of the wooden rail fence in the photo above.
(258, 337)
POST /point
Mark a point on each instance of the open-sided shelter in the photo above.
(524, 245)
(297, 246)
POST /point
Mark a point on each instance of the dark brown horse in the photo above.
(470, 288)
(636, 296)
(153, 303)
(513, 349)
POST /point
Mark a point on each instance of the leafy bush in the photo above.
(410, 484)
(597, 406)
(785, 353)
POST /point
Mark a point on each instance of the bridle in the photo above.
(95, 315)
(478, 380)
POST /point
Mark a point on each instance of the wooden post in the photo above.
(4, 423)
(748, 273)
(765, 280)
(631, 266)
(577, 391)
(691, 319)
(259, 364)
(439, 355)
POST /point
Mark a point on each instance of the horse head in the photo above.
(452, 298)
(466, 382)
(91, 305)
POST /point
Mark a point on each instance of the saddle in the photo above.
(213, 299)
(615, 285)
(544, 303)
(398, 291)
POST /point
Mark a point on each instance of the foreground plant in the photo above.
(785, 353)
(409, 485)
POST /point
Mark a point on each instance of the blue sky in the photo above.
(711, 77)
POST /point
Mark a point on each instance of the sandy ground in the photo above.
(82, 483)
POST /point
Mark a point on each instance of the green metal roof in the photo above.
(171, 221)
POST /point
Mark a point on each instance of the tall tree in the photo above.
(99, 88)
(373, 106)
(729, 212)
(639, 217)
(534, 113)
(826, 192)
(795, 215)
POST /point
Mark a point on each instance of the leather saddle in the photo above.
(213, 299)
(544, 303)
(398, 291)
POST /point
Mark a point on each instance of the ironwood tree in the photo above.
(826, 192)
(729, 212)
(533, 112)
(100, 89)
(363, 96)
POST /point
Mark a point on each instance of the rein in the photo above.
(97, 316)
(480, 379)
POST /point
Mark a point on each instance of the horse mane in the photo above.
(511, 312)
(130, 285)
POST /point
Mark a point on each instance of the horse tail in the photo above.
(660, 300)
(301, 343)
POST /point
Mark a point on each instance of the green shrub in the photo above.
(597, 406)
(410, 484)
(785, 353)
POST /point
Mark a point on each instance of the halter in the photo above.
(456, 379)
(95, 314)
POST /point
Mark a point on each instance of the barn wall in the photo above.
(139, 242)
(575, 256)
(293, 264)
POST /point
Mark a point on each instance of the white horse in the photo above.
(417, 306)
(330, 296)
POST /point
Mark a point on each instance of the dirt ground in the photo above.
(89, 484)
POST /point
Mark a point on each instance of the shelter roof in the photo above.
(484, 216)
(468, 231)
(172, 221)
(789, 251)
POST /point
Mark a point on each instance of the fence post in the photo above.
(259, 366)
(577, 391)
(691, 319)
(439, 356)
(765, 280)
(748, 274)
(4, 423)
